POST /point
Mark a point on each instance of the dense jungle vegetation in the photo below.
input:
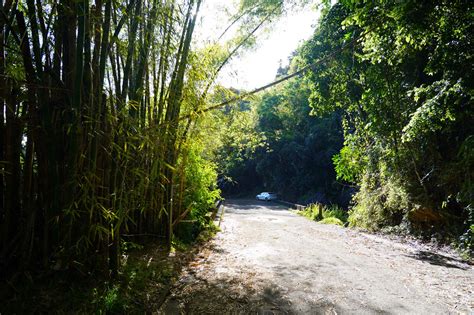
(406, 93)
(110, 132)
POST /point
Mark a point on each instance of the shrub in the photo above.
(379, 202)
(331, 213)
(313, 211)
(201, 191)
(332, 220)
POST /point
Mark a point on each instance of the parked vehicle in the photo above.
(267, 196)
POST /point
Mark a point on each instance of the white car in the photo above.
(267, 196)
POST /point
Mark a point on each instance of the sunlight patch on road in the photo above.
(266, 218)
(257, 251)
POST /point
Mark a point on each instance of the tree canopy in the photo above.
(405, 91)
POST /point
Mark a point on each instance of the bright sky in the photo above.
(257, 67)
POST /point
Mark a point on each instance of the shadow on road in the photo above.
(439, 260)
(225, 289)
(251, 204)
(228, 295)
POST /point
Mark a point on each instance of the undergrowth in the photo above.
(144, 277)
(332, 220)
(326, 214)
(383, 204)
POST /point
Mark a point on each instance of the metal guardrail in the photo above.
(291, 205)
(216, 207)
(218, 212)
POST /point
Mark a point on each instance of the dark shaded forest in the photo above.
(285, 149)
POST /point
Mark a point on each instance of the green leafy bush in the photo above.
(333, 211)
(379, 202)
(349, 163)
(332, 220)
(111, 301)
(406, 103)
(201, 192)
(331, 214)
(313, 212)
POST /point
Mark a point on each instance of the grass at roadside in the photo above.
(144, 277)
(331, 214)
(146, 273)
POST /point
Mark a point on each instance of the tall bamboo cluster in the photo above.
(90, 95)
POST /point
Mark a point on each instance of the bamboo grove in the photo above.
(91, 92)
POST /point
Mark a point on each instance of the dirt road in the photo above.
(268, 260)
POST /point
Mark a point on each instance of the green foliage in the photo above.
(334, 211)
(146, 271)
(332, 220)
(349, 162)
(437, 110)
(201, 176)
(405, 95)
(293, 152)
(239, 139)
(112, 302)
(313, 212)
(208, 233)
(331, 214)
(379, 202)
(466, 241)
(106, 136)
(201, 192)
(130, 246)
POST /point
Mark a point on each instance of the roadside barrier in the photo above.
(218, 211)
(291, 205)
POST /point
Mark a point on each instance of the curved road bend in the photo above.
(268, 260)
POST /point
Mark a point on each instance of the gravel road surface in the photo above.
(268, 260)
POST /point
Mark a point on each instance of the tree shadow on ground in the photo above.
(201, 293)
(228, 297)
(255, 205)
(439, 259)
(147, 271)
